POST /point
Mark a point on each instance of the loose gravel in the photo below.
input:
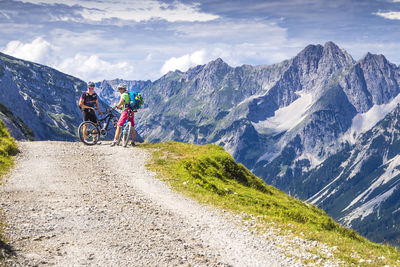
(67, 204)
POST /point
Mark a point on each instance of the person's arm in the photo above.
(98, 108)
(121, 101)
(82, 105)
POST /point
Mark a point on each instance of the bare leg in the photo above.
(133, 132)
(84, 132)
(117, 133)
(95, 132)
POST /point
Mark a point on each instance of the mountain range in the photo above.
(285, 122)
(320, 126)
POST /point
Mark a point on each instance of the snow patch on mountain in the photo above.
(367, 208)
(395, 211)
(324, 191)
(358, 163)
(391, 172)
(313, 159)
(287, 117)
(363, 122)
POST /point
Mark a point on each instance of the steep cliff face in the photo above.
(44, 98)
(373, 80)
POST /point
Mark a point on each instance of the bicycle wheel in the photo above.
(92, 135)
(126, 133)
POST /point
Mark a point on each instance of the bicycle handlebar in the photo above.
(108, 110)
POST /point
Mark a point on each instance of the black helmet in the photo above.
(90, 84)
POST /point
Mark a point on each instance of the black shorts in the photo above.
(89, 115)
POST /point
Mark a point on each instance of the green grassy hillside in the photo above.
(8, 148)
(210, 175)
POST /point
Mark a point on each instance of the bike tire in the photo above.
(127, 132)
(92, 133)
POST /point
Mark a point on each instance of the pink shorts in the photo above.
(124, 117)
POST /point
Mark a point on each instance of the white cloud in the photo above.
(93, 68)
(39, 50)
(136, 10)
(393, 15)
(184, 62)
(84, 65)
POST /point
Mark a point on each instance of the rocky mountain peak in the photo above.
(310, 52)
(217, 64)
(171, 74)
(329, 53)
(333, 48)
(315, 65)
(213, 73)
(374, 59)
(336, 56)
(331, 45)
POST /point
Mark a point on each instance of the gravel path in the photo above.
(67, 204)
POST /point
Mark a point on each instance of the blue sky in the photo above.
(144, 39)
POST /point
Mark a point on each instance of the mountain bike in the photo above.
(126, 130)
(89, 132)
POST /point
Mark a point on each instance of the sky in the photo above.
(144, 39)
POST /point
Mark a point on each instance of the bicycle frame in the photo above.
(104, 123)
(96, 130)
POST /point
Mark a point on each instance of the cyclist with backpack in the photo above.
(87, 104)
(127, 114)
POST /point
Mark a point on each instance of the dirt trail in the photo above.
(67, 204)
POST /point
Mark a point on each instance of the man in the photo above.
(124, 105)
(87, 104)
